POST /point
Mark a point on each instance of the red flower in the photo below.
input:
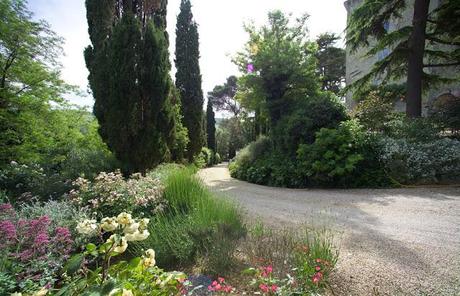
(221, 279)
(274, 288)
(264, 288)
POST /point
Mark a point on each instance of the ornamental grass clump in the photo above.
(196, 224)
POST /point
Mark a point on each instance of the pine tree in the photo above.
(429, 41)
(129, 69)
(188, 77)
(211, 127)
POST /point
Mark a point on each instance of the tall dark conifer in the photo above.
(188, 77)
(211, 127)
(129, 69)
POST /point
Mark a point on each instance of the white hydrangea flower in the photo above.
(109, 224)
(137, 236)
(149, 258)
(87, 227)
(121, 244)
(124, 218)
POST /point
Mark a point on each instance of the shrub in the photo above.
(218, 158)
(110, 193)
(446, 111)
(418, 162)
(200, 222)
(376, 113)
(312, 114)
(334, 154)
(25, 183)
(32, 251)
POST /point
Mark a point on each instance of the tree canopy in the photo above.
(331, 62)
(430, 40)
(129, 69)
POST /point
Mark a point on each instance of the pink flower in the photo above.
(318, 260)
(221, 279)
(250, 68)
(264, 288)
(318, 268)
(41, 240)
(317, 277)
(8, 230)
(274, 288)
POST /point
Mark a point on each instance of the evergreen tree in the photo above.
(129, 68)
(429, 41)
(331, 62)
(188, 77)
(211, 127)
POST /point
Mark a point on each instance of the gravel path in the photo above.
(391, 241)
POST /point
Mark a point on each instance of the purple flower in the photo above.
(41, 240)
(8, 230)
(250, 68)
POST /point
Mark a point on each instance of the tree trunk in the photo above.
(415, 59)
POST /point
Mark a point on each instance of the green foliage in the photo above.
(412, 161)
(283, 63)
(334, 154)
(375, 113)
(210, 127)
(300, 127)
(188, 78)
(331, 62)
(368, 22)
(129, 68)
(232, 135)
(223, 97)
(199, 220)
(446, 112)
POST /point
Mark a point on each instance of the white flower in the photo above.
(109, 224)
(131, 228)
(149, 258)
(120, 244)
(127, 293)
(143, 223)
(87, 227)
(16, 294)
(42, 292)
(137, 236)
(124, 218)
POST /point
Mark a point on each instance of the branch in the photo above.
(432, 38)
(441, 65)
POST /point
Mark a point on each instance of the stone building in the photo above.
(358, 65)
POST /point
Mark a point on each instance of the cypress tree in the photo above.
(188, 77)
(129, 68)
(211, 127)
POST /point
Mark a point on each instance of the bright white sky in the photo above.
(220, 27)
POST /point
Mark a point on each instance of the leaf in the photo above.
(90, 247)
(74, 264)
(108, 287)
(134, 263)
(249, 271)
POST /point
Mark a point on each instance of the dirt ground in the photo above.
(391, 241)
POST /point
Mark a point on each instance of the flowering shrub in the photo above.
(92, 271)
(110, 194)
(31, 250)
(410, 162)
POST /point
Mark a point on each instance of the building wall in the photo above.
(357, 65)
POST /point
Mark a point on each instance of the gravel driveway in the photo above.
(391, 241)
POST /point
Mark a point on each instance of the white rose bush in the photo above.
(96, 271)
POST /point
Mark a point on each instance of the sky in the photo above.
(220, 28)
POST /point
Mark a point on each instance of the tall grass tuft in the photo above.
(195, 225)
